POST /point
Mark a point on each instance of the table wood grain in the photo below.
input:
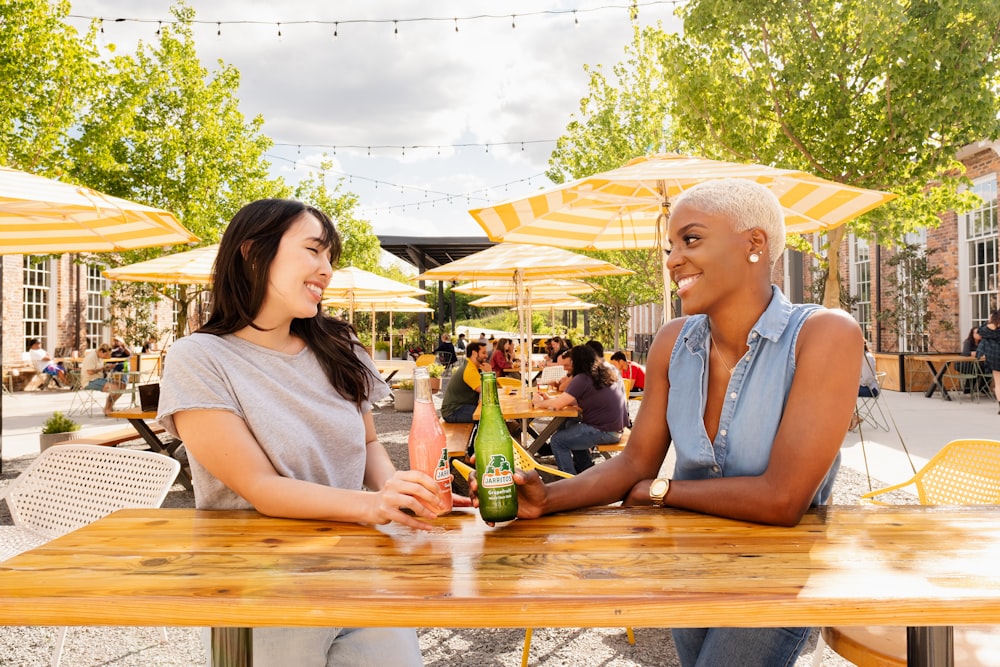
(640, 567)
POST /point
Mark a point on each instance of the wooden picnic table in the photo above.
(518, 409)
(642, 567)
(937, 374)
(139, 419)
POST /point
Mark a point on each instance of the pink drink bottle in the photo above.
(428, 445)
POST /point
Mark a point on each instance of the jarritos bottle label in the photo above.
(499, 473)
(442, 473)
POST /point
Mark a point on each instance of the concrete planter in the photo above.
(46, 440)
(403, 400)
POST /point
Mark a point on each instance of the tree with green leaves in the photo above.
(879, 95)
(361, 248)
(165, 131)
(47, 76)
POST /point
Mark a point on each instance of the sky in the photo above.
(518, 77)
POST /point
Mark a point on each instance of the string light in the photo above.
(481, 194)
(632, 7)
(416, 147)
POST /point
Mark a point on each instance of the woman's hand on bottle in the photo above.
(407, 490)
(531, 494)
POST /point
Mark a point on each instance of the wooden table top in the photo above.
(950, 358)
(133, 413)
(520, 407)
(639, 567)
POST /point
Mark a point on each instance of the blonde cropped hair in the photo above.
(747, 205)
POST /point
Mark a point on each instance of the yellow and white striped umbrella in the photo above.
(191, 267)
(522, 264)
(380, 304)
(40, 216)
(563, 302)
(507, 261)
(620, 209)
(544, 287)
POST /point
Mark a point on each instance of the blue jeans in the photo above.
(571, 445)
(323, 647)
(461, 415)
(739, 647)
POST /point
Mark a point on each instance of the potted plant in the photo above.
(402, 396)
(381, 350)
(57, 428)
(435, 371)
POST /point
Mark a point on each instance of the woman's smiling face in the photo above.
(299, 273)
(707, 259)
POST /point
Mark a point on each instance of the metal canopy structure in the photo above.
(430, 252)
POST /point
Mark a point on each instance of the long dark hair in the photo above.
(240, 278)
(586, 362)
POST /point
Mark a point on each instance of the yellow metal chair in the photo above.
(525, 461)
(964, 472)
(426, 360)
(508, 383)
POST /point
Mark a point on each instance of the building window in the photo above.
(861, 279)
(981, 236)
(96, 313)
(37, 291)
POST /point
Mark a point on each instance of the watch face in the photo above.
(658, 487)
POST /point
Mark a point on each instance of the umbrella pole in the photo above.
(390, 334)
(661, 236)
(373, 331)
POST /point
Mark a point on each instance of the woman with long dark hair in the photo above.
(272, 398)
(596, 389)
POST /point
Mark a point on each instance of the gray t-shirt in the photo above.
(307, 429)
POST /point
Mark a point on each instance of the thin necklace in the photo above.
(718, 352)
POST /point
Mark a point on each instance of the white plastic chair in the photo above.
(70, 486)
(551, 375)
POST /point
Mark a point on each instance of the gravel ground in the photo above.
(550, 647)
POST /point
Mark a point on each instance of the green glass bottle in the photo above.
(494, 458)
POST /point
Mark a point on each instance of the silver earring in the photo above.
(754, 258)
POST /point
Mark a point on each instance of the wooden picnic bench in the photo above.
(112, 438)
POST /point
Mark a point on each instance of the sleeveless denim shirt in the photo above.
(755, 398)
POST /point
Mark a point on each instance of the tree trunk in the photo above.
(831, 291)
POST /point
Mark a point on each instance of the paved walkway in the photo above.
(923, 424)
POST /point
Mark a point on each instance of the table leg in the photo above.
(546, 433)
(160, 447)
(936, 381)
(930, 647)
(232, 647)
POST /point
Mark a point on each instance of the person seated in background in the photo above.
(460, 344)
(461, 396)
(119, 350)
(92, 376)
(553, 350)
(445, 350)
(503, 358)
(151, 345)
(43, 363)
(629, 370)
(604, 414)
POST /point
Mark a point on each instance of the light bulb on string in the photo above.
(279, 31)
(336, 25)
(456, 24)
(576, 20)
(159, 25)
(395, 28)
(218, 31)
(513, 23)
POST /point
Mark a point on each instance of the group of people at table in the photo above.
(273, 400)
(99, 367)
(591, 384)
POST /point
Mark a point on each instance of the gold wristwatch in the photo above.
(658, 491)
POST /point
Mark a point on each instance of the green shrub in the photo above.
(59, 423)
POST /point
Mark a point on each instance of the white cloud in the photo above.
(428, 85)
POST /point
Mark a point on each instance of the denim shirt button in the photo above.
(722, 432)
(715, 468)
(733, 395)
